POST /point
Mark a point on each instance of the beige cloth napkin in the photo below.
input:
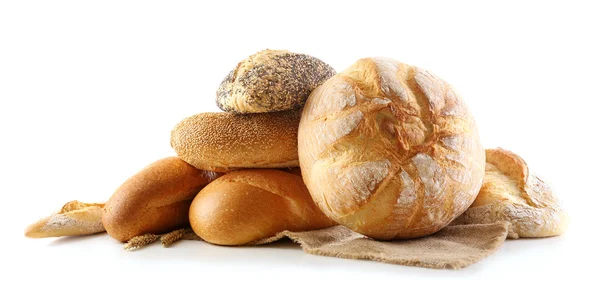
(453, 247)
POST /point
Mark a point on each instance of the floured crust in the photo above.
(271, 80)
(75, 218)
(509, 193)
(390, 150)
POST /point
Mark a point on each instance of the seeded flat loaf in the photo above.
(390, 150)
(225, 141)
(510, 193)
(271, 80)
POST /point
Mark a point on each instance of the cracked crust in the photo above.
(390, 150)
(271, 80)
(510, 193)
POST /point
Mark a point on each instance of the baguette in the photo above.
(155, 200)
(74, 219)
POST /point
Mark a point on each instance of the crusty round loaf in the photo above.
(271, 80)
(155, 200)
(510, 193)
(390, 150)
(250, 205)
(226, 141)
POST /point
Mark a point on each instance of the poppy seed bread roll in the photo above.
(390, 150)
(225, 141)
(271, 80)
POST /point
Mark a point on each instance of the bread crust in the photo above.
(271, 80)
(155, 200)
(510, 193)
(250, 205)
(74, 219)
(390, 150)
(226, 141)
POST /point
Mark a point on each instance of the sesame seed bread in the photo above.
(510, 193)
(271, 80)
(390, 150)
(224, 141)
(250, 205)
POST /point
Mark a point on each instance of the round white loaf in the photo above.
(390, 150)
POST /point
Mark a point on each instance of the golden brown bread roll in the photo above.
(225, 141)
(249, 205)
(271, 80)
(74, 219)
(155, 200)
(510, 193)
(390, 150)
(294, 171)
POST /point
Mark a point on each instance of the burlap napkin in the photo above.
(453, 247)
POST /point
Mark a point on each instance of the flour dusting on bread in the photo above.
(74, 219)
(509, 193)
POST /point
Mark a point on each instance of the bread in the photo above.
(225, 141)
(510, 193)
(294, 171)
(155, 200)
(390, 150)
(74, 219)
(249, 205)
(271, 80)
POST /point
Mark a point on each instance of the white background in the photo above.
(90, 91)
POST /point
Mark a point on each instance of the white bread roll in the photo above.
(390, 150)
(250, 205)
(512, 194)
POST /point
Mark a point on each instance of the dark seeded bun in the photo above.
(271, 80)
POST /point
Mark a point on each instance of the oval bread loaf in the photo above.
(226, 141)
(249, 205)
(155, 200)
(390, 150)
(271, 80)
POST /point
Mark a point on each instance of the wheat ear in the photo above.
(140, 241)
